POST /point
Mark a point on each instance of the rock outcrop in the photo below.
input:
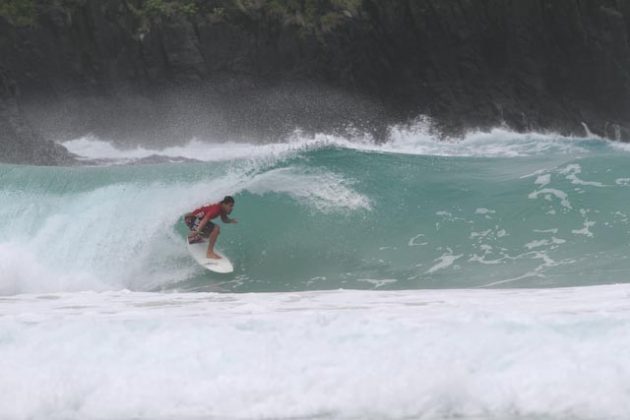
(135, 69)
(19, 143)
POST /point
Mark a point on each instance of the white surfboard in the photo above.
(198, 252)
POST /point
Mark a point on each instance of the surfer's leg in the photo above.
(192, 223)
(212, 240)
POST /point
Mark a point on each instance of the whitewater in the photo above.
(480, 278)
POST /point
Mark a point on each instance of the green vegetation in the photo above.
(315, 15)
(18, 12)
(309, 13)
(25, 12)
(164, 8)
(310, 16)
(149, 12)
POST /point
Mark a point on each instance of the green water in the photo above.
(326, 218)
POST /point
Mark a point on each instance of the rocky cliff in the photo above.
(19, 142)
(154, 69)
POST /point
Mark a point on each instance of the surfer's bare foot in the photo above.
(213, 256)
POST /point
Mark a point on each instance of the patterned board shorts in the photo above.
(192, 222)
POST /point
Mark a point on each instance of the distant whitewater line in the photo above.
(417, 139)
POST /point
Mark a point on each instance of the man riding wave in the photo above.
(198, 221)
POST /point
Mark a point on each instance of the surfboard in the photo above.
(198, 251)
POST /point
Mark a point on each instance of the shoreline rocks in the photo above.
(229, 69)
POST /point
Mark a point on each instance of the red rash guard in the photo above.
(213, 209)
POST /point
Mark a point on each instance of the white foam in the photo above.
(444, 261)
(553, 230)
(22, 272)
(412, 354)
(539, 271)
(481, 234)
(413, 240)
(90, 147)
(481, 259)
(572, 171)
(105, 238)
(544, 242)
(543, 180)
(121, 235)
(484, 211)
(378, 282)
(588, 224)
(416, 139)
(549, 192)
(535, 173)
(325, 191)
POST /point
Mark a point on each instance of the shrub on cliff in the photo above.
(18, 12)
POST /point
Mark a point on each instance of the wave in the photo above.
(100, 229)
(527, 210)
(415, 139)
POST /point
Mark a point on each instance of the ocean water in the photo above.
(479, 278)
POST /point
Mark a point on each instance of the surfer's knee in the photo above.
(217, 229)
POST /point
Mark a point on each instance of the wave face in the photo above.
(496, 209)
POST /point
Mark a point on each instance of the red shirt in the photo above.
(213, 209)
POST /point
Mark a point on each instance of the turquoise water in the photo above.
(505, 210)
(457, 249)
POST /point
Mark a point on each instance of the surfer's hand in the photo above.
(233, 221)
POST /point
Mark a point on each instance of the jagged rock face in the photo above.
(99, 67)
(534, 65)
(19, 143)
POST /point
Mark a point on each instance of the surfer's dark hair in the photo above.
(228, 199)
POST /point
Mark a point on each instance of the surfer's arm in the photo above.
(226, 219)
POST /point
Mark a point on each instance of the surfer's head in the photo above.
(227, 204)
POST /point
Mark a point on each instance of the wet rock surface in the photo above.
(232, 69)
(19, 142)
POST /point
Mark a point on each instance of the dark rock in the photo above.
(245, 70)
(19, 143)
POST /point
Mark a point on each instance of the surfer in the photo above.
(198, 221)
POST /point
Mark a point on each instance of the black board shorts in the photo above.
(192, 222)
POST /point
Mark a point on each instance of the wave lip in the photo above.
(415, 139)
(324, 191)
(89, 232)
(92, 148)
(555, 353)
(333, 216)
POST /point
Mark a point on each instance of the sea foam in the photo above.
(556, 353)
(417, 138)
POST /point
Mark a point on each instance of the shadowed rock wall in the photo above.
(19, 142)
(162, 70)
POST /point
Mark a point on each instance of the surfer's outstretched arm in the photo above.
(226, 219)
